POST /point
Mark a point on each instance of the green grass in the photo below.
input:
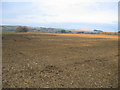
(8, 32)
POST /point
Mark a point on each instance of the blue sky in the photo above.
(70, 14)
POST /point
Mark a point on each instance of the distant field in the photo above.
(78, 35)
(110, 33)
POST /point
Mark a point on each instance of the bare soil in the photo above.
(53, 61)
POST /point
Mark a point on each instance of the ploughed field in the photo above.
(59, 61)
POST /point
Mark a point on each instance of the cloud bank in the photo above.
(60, 11)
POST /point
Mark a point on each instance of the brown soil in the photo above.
(58, 61)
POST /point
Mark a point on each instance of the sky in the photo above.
(68, 14)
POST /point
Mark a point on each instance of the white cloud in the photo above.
(75, 11)
(26, 19)
(60, 0)
(58, 11)
(85, 18)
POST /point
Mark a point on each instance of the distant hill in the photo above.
(50, 30)
(8, 28)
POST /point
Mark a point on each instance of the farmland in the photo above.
(50, 60)
(7, 32)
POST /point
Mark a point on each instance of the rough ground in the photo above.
(59, 62)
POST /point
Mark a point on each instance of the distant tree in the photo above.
(69, 31)
(21, 29)
(63, 31)
(25, 29)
